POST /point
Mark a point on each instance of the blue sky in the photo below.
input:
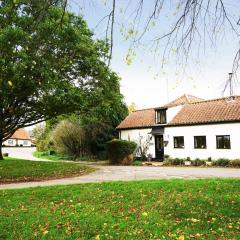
(145, 82)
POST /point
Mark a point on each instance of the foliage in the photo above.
(69, 138)
(159, 209)
(235, 163)
(119, 150)
(49, 63)
(100, 120)
(132, 107)
(137, 163)
(222, 162)
(41, 134)
(54, 156)
(209, 159)
(198, 162)
(17, 170)
(174, 162)
(166, 156)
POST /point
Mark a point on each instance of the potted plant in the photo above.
(209, 162)
(187, 162)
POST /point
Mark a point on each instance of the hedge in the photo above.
(119, 151)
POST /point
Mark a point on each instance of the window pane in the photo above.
(178, 142)
(161, 116)
(223, 142)
(200, 142)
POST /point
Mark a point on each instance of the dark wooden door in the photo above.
(159, 147)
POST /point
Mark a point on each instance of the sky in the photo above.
(145, 81)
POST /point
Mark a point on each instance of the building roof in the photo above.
(194, 111)
(209, 111)
(21, 134)
(185, 99)
(139, 119)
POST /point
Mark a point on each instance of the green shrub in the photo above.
(209, 159)
(166, 156)
(119, 151)
(173, 162)
(188, 159)
(222, 162)
(198, 162)
(137, 163)
(235, 163)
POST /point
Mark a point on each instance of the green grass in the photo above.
(55, 156)
(17, 170)
(46, 155)
(164, 209)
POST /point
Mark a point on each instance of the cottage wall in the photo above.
(210, 131)
(136, 134)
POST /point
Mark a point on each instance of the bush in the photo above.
(166, 156)
(137, 163)
(69, 139)
(235, 163)
(120, 151)
(198, 162)
(222, 162)
(174, 162)
(188, 159)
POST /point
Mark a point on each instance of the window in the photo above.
(178, 142)
(161, 116)
(25, 142)
(223, 142)
(10, 142)
(200, 142)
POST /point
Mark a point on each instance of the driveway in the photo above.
(22, 153)
(126, 173)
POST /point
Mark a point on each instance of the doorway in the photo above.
(159, 147)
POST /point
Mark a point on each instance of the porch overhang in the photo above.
(157, 131)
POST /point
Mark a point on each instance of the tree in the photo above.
(102, 110)
(49, 61)
(132, 107)
(182, 27)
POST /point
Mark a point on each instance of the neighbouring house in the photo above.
(19, 138)
(187, 127)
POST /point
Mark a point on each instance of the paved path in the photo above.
(125, 173)
(25, 153)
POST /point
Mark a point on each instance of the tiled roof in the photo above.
(139, 118)
(21, 134)
(146, 117)
(210, 111)
(185, 99)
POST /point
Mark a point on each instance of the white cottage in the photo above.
(19, 139)
(187, 127)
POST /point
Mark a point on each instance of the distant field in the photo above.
(17, 170)
(163, 209)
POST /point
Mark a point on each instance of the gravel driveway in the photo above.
(125, 173)
(22, 153)
(121, 173)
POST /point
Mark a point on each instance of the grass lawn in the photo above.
(17, 170)
(46, 155)
(164, 209)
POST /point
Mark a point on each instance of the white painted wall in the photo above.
(172, 112)
(210, 131)
(14, 142)
(135, 134)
